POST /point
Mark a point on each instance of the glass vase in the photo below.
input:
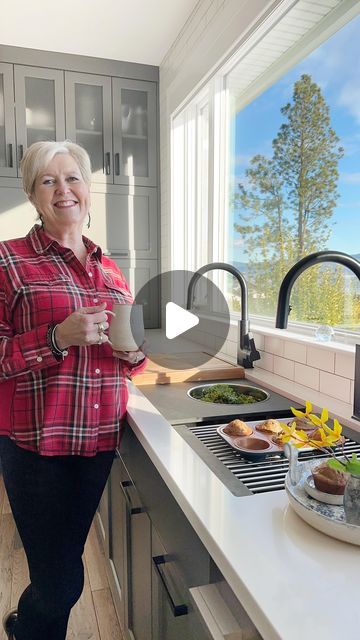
(352, 500)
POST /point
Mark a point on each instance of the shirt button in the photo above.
(39, 359)
(97, 370)
(96, 300)
(96, 406)
(90, 274)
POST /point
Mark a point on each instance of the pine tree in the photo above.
(287, 201)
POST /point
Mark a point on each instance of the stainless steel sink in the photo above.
(257, 394)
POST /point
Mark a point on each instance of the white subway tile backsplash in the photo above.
(295, 351)
(259, 341)
(335, 386)
(345, 365)
(284, 367)
(307, 376)
(274, 345)
(266, 361)
(320, 358)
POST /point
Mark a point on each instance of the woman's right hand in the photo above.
(81, 328)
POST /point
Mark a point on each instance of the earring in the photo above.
(89, 221)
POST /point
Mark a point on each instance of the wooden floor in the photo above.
(93, 617)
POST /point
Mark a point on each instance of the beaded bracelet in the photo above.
(58, 353)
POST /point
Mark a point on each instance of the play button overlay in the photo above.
(191, 323)
(178, 320)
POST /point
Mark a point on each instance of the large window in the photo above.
(284, 161)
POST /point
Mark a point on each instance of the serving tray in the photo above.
(327, 518)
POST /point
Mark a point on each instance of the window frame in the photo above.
(215, 94)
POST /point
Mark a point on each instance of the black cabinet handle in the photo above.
(107, 163)
(127, 486)
(11, 159)
(117, 164)
(177, 609)
(21, 152)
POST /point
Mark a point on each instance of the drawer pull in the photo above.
(177, 609)
(127, 486)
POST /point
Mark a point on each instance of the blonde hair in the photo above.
(37, 157)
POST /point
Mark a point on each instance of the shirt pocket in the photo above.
(115, 294)
(42, 301)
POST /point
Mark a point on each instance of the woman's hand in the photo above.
(132, 357)
(83, 327)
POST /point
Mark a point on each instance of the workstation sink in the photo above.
(179, 404)
(197, 423)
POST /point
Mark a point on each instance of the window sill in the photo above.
(285, 334)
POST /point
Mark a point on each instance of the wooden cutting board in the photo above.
(182, 367)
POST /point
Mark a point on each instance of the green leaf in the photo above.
(336, 464)
(353, 467)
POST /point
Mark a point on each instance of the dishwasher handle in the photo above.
(159, 564)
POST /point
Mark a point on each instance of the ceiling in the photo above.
(130, 30)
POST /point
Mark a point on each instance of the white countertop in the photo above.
(294, 582)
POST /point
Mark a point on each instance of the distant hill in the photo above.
(243, 266)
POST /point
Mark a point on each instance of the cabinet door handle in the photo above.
(177, 609)
(21, 152)
(117, 164)
(11, 159)
(127, 486)
(107, 163)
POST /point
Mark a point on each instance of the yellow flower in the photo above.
(305, 415)
(299, 438)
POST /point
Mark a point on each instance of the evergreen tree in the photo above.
(286, 202)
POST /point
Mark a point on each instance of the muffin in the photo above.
(329, 480)
(237, 428)
(270, 426)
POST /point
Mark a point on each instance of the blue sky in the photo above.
(335, 68)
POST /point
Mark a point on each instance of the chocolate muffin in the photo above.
(329, 480)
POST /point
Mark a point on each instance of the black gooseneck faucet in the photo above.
(283, 307)
(246, 349)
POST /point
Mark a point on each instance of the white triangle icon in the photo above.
(178, 320)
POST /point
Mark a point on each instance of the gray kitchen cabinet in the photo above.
(39, 112)
(7, 122)
(131, 223)
(129, 567)
(134, 126)
(88, 120)
(103, 519)
(119, 133)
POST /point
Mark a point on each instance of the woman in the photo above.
(63, 388)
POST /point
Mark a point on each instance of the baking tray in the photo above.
(262, 445)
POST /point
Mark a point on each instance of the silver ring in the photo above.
(100, 337)
(101, 327)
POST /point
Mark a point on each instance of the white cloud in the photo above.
(350, 98)
(350, 178)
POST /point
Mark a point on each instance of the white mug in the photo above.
(126, 330)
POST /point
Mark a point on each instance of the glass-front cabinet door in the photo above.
(88, 120)
(134, 126)
(40, 113)
(7, 122)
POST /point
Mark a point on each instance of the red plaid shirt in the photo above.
(72, 407)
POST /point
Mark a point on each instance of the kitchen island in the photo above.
(293, 581)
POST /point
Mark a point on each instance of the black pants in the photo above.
(53, 500)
